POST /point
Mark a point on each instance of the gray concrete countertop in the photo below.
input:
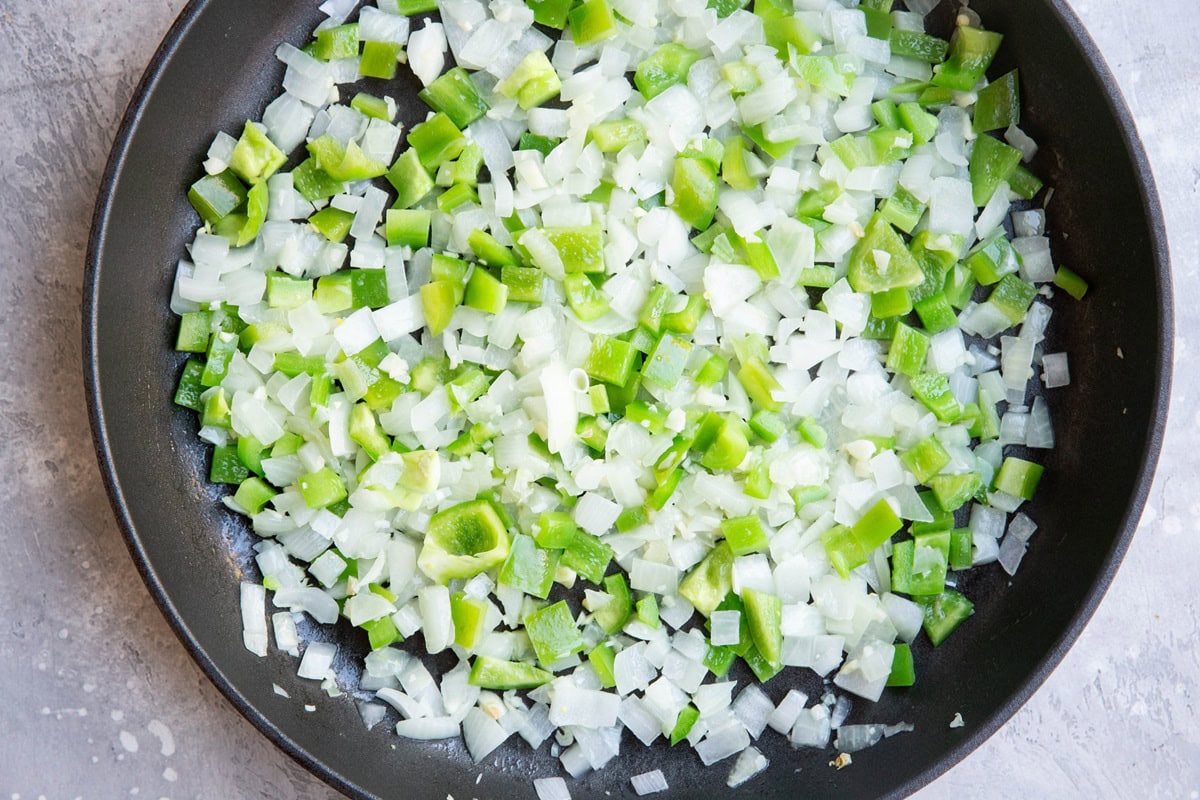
(98, 698)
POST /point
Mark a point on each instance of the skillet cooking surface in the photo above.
(216, 69)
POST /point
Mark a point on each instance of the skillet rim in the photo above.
(982, 730)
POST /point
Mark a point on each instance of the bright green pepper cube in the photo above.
(257, 200)
(337, 42)
(971, 53)
(375, 107)
(455, 94)
(584, 298)
(551, 13)
(881, 261)
(250, 451)
(930, 559)
(612, 616)
(936, 313)
(684, 723)
(554, 530)
(788, 33)
(312, 182)
(647, 611)
(1012, 297)
(410, 179)
(553, 633)
(944, 613)
(1024, 183)
(961, 548)
(1070, 283)
(1018, 477)
(408, 8)
(333, 294)
(764, 614)
(942, 519)
(902, 210)
(666, 67)
(919, 122)
(436, 140)
(438, 301)
(469, 615)
(992, 161)
(485, 292)
(220, 353)
(216, 412)
(953, 491)
(322, 488)
(616, 135)
(902, 673)
(408, 227)
(588, 556)
(488, 249)
(253, 494)
(719, 659)
(695, 187)
(933, 390)
(667, 484)
(463, 541)
(532, 82)
(379, 60)
(664, 366)
(768, 425)
(525, 284)
(347, 163)
(610, 361)
(925, 459)
(381, 633)
(998, 105)
(908, 350)
(729, 449)
(960, 286)
(711, 371)
(217, 196)
(580, 248)
(603, 661)
(332, 223)
(760, 383)
(745, 535)
(195, 328)
(592, 21)
(992, 259)
(891, 303)
(227, 467)
(876, 526)
(284, 291)
(529, 568)
(368, 288)
(459, 194)
(255, 157)
(709, 581)
(493, 673)
(919, 46)
(686, 319)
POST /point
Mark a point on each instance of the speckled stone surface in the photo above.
(99, 700)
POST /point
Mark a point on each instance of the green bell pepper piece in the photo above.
(553, 633)
(709, 581)
(665, 67)
(992, 162)
(463, 541)
(870, 272)
(255, 157)
(944, 613)
(455, 94)
(971, 53)
(493, 673)
(998, 104)
(217, 196)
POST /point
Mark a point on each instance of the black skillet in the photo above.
(215, 69)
